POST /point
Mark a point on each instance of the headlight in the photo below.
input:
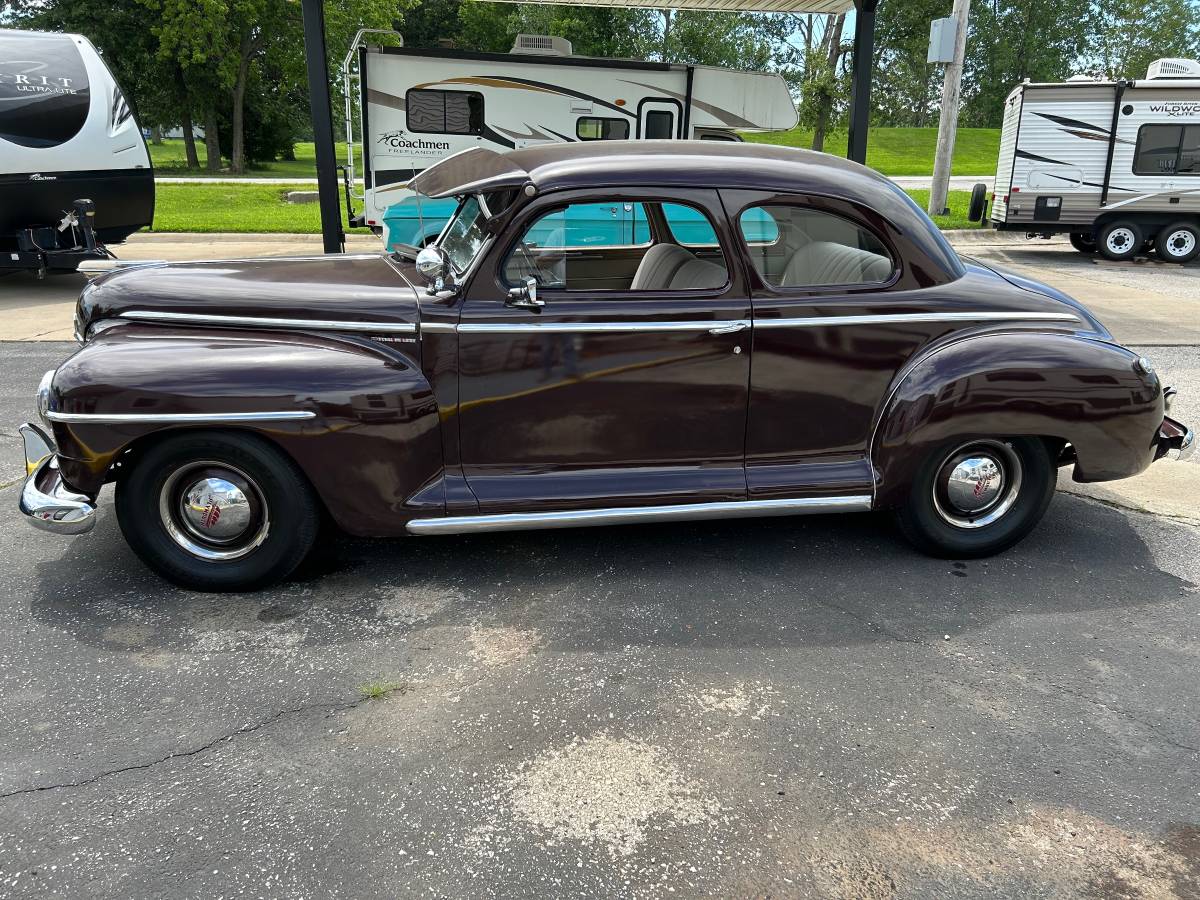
(42, 397)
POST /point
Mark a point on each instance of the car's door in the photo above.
(612, 393)
(833, 324)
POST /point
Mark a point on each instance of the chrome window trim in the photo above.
(180, 418)
(680, 512)
(890, 318)
(153, 315)
(598, 327)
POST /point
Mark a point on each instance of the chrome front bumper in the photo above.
(1175, 440)
(47, 502)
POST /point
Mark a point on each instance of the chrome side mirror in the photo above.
(525, 296)
(434, 266)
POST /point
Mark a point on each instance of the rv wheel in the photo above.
(1083, 241)
(1178, 243)
(1120, 240)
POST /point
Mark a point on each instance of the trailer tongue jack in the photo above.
(50, 248)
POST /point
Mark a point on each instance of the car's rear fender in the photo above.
(1085, 392)
(371, 445)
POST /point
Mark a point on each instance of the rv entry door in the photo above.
(659, 119)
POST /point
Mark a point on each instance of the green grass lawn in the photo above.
(169, 159)
(904, 151)
(244, 208)
(893, 151)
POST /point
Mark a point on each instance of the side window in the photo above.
(444, 112)
(611, 246)
(689, 227)
(796, 246)
(1167, 150)
(594, 128)
(660, 125)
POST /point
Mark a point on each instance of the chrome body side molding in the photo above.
(154, 315)
(904, 318)
(730, 325)
(179, 418)
(680, 512)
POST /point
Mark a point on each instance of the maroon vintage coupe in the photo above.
(603, 333)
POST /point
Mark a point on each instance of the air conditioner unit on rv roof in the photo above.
(1174, 68)
(542, 45)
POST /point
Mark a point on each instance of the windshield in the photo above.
(464, 236)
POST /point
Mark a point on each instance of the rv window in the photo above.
(444, 112)
(593, 128)
(660, 124)
(811, 247)
(1167, 150)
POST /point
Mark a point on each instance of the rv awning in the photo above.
(762, 6)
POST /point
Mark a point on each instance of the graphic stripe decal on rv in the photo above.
(724, 115)
(1025, 154)
(1081, 129)
(382, 98)
(526, 84)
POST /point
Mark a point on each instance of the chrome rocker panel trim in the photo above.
(56, 508)
(906, 318)
(151, 315)
(681, 512)
(179, 418)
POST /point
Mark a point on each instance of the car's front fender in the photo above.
(370, 446)
(1091, 394)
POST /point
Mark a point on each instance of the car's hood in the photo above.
(368, 289)
(1055, 299)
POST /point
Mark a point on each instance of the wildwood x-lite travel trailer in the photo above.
(74, 169)
(418, 106)
(1114, 164)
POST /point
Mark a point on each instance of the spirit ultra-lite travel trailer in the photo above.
(1116, 165)
(418, 106)
(74, 169)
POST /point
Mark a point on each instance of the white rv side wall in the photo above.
(1008, 149)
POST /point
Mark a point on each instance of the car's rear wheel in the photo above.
(1083, 241)
(1120, 240)
(978, 497)
(217, 511)
(1178, 243)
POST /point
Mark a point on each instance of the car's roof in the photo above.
(584, 164)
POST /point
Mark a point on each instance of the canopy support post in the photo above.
(317, 63)
(860, 94)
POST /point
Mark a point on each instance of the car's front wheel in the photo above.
(978, 497)
(217, 511)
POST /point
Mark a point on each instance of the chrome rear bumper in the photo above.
(45, 500)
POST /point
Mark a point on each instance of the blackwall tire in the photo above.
(939, 523)
(1179, 242)
(218, 511)
(1083, 241)
(978, 203)
(1120, 240)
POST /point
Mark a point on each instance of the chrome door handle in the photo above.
(729, 329)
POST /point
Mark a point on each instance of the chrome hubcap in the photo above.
(1180, 243)
(1120, 240)
(977, 484)
(213, 511)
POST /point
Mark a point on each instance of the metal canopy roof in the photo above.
(763, 6)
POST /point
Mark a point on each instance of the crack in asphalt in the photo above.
(330, 706)
(1141, 510)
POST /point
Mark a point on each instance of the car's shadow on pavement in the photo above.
(819, 581)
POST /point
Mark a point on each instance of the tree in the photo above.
(906, 88)
(1131, 34)
(824, 88)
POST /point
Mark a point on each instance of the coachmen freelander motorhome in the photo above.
(1114, 164)
(419, 106)
(74, 169)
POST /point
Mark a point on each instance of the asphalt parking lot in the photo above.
(747, 708)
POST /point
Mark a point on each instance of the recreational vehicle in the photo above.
(1116, 165)
(418, 106)
(74, 169)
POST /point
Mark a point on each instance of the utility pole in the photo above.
(948, 122)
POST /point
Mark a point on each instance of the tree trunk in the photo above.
(212, 145)
(832, 42)
(189, 139)
(237, 161)
(156, 134)
(666, 35)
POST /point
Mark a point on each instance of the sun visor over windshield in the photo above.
(469, 172)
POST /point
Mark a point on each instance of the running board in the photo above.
(629, 515)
